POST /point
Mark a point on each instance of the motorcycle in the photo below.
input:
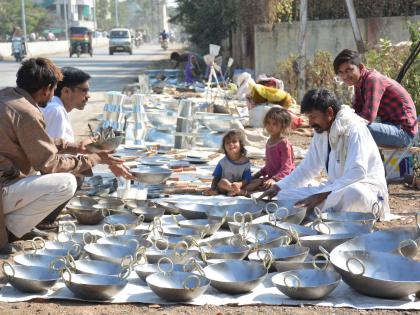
(18, 48)
(164, 43)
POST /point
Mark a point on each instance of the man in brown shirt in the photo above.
(25, 149)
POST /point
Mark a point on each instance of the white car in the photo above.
(120, 40)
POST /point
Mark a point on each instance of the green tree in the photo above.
(208, 22)
(37, 18)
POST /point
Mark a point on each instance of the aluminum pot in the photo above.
(306, 284)
(284, 253)
(285, 211)
(31, 279)
(204, 227)
(236, 277)
(329, 242)
(192, 211)
(334, 228)
(319, 261)
(149, 213)
(95, 287)
(177, 286)
(112, 253)
(378, 274)
(87, 215)
(151, 174)
(96, 267)
(109, 144)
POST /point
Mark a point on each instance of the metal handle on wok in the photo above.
(359, 262)
(196, 282)
(170, 262)
(7, 264)
(295, 278)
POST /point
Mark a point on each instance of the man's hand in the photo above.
(269, 183)
(107, 158)
(82, 146)
(270, 193)
(120, 170)
(312, 201)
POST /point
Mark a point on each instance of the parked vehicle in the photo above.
(120, 40)
(80, 41)
(18, 48)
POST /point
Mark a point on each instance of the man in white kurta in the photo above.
(346, 151)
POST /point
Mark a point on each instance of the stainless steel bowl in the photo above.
(235, 277)
(163, 119)
(109, 144)
(306, 284)
(30, 279)
(151, 175)
(94, 287)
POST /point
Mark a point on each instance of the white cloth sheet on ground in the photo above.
(266, 293)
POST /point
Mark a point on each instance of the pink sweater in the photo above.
(279, 160)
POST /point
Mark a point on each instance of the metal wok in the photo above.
(202, 226)
(346, 216)
(97, 267)
(109, 144)
(109, 252)
(284, 253)
(127, 219)
(87, 215)
(180, 254)
(149, 213)
(334, 228)
(126, 240)
(236, 277)
(95, 287)
(82, 201)
(177, 286)
(193, 211)
(151, 175)
(378, 274)
(221, 210)
(31, 279)
(329, 242)
(284, 211)
(224, 251)
(310, 262)
(306, 284)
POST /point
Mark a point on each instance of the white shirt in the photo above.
(57, 120)
(363, 164)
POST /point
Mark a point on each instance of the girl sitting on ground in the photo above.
(232, 175)
(279, 159)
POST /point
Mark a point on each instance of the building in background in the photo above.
(79, 12)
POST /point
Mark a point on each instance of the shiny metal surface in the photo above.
(109, 144)
(285, 211)
(98, 267)
(378, 274)
(149, 213)
(225, 251)
(108, 252)
(306, 284)
(310, 262)
(126, 240)
(346, 216)
(284, 253)
(151, 174)
(229, 209)
(333, 228)
(94, 287)
(36, 260)
(162, 119)
(127, 219)
(235, 277)
(82, 201)
(177, 286)
(30, 279)
(134, 203)
(216, 122)
(193, 211)
(86, 215)
(209, 227)
(329, 242)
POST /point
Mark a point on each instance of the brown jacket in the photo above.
(25, 147)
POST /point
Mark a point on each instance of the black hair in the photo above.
(175, 56)
(280, 115)
(37, 73)
(234, 134)
(319, 99)
(346, 55)
(71, 78)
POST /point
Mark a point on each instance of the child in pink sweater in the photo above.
(279, 159)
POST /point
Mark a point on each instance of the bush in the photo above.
(319, 73)
(384, 57)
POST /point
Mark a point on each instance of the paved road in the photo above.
(108, 72)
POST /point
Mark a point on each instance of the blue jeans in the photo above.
(389, 135)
